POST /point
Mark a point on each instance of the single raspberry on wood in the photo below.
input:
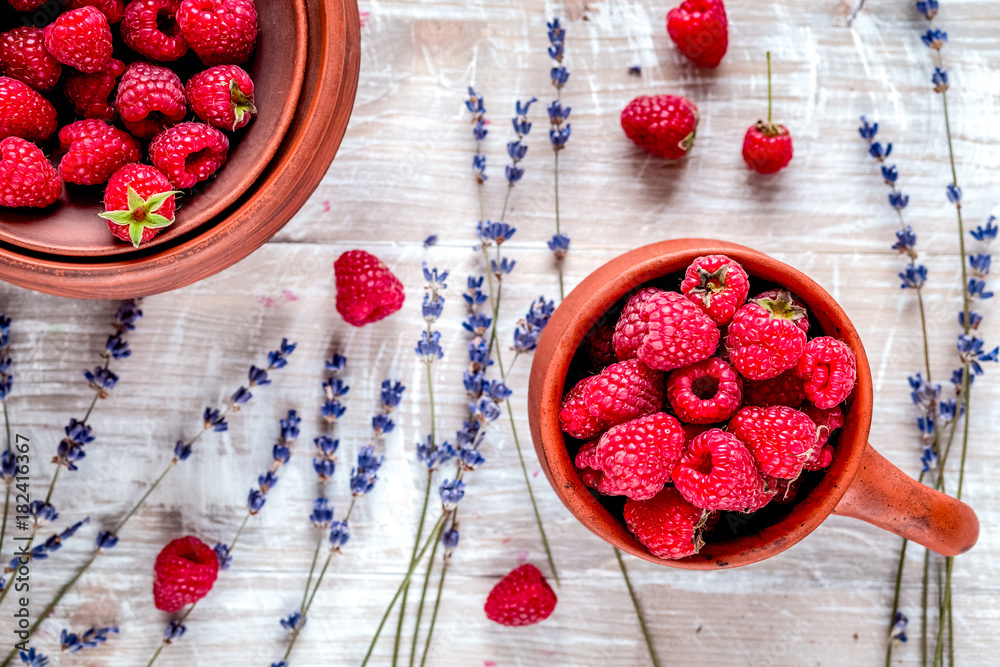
(637, 457)
(785, 389)
(94, 151)
(705, 392)
(221, 32)
(765, 338)
(27, 179)
(664, 125)
(23, 56)
(113, 10)
(523, 597)
(149, 99)
(829, 369)
(185, 571)
(716, 284)
(767, 146)
(574, 418)
(23, 112)
(782, 439)
(632, 326)
(668, 525)
(222, 96)
(90, 93)
(138, 203)
(678, 332)
(80, 38)
(188, 153)
(718, 472)
(623, 391)
(150, 29)
(367, 291)
(700, 30)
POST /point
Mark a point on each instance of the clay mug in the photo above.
(860, 483)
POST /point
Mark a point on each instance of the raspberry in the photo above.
(592, 477)
(623, 391)
(113, 10)
(692, 431)
(718, 472)
(782, 439)
(636, 457)
(222, 96)
(185, 571)
(89, 93)
(767, 147)
(599, 346)
(26, 177)
(150, 29)
(574, 417)
(717, 285)
(188, 153)
(26, 5)
(799, 315)
(139, 215)
(80, 38)
(664, 125)
(94, 151)
(705, 392)
(631, 326)
(830, 370)
(150, 98)
(785, 389)
(24, 113)
(785, 490)
(700, 30)
(523, 597)
(765, 338)
(23, 57)
(679, 333)
(367, 291)
(669, 526)
(221, 32)
(827, 421)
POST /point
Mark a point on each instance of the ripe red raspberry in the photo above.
(113, 10)
(700, 30)
(26, 177)
(523, 597)
(767, 146)
(94, 151)
(717, 285)
(222, 96)
(591, 476)
(794, 303)
(150, 98)
(599, 346)
(26, 5)
(830, 370)
(637, 457)
(786, 491)
(23, 57)
(185, 571)
(80, 38)
(785, 389)
(631, 326)
(574, 418)
(827, 421)
(669, 526)
(24, 113)
(367, 291)
(705, 392)
(664, 125)
(89, 93)
(679, 333)
(765, 338)
(150, 29)
(718, 472)
(138, 203)
(781, 438)
(623, 391)
(188, 153)
(221, 32)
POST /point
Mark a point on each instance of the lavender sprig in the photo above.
(477, 112)
(91, 638)
(558, 135)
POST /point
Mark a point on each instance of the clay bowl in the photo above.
(71, 227)
(859, 483)
(301, 158)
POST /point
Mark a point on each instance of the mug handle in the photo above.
(885, 496)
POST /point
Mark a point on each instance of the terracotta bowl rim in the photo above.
(596, 294)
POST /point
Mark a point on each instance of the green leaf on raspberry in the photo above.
(141, 213)
(783, 305)
(242, 105)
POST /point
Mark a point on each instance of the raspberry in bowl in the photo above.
(727, 419)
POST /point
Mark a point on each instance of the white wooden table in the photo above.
(403, 173)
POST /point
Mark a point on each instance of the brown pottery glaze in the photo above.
(860, 483)
(318, 46)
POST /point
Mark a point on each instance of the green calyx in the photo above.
(783, 306)
(141, 213)
(242, 105)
